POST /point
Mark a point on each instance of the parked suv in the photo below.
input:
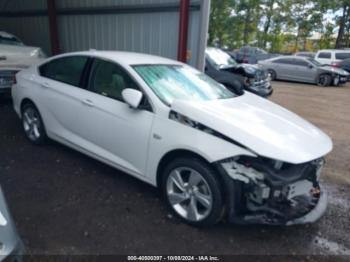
(225, 70)
(15, 56)
(331, 56)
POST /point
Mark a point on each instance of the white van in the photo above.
(332, 56)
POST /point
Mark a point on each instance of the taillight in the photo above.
(335, 64)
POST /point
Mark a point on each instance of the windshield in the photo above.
(9, 41)
(313, 61)
(170, 82)
(219, 58)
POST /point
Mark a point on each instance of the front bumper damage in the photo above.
(264, 191)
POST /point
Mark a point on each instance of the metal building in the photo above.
(172, 28)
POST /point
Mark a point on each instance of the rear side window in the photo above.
(342, 56)
(300, 62)
(68, 70)
(324, 55)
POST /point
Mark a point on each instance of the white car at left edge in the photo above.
(15, 56)
(212, 153)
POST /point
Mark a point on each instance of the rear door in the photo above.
(283, 67)
(61, 90)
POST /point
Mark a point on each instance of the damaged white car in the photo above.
(213, 153)
(15, 56)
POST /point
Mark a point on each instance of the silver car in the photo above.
(304, 69)
(10, 243)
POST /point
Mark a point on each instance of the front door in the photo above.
(121, 133)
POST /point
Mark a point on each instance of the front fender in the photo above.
(169, 135)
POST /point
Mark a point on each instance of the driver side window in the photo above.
(109, 79)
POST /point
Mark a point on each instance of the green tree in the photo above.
(219, 21)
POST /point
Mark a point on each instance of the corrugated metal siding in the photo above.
(99, 3)
(22, 5)
(148, 33)
(154, 33)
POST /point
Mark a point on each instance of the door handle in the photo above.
(45, 85)
(88, 102)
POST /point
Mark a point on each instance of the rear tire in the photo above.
(193, 191)
(33, 125)
(324, 80)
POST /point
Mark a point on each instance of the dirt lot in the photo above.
(66, 203)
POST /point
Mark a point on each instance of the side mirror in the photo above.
(236, 87)
(310, 66)
(132, 97)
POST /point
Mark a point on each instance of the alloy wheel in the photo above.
(189, 194)
(31, 124)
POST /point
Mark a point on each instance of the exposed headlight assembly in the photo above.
(249, 81)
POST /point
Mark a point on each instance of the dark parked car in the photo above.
(10, 243)
(345, 65)
(225, 70)
(250, 55)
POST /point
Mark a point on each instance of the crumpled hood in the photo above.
(252, 68)
(18, 57)
(335, 70)
(262, 126)
(249, 70)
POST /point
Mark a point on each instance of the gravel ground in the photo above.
(66, 203)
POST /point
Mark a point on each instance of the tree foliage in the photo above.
(280, 25)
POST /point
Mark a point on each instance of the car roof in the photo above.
(335, 50)
(125, 58)
(289, 56)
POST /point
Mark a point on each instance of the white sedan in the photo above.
(213, 153)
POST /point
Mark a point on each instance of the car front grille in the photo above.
(261, 79)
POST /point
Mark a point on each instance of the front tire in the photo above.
(33, 125)
(324, 80)
(193, 191)
(272, 74)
